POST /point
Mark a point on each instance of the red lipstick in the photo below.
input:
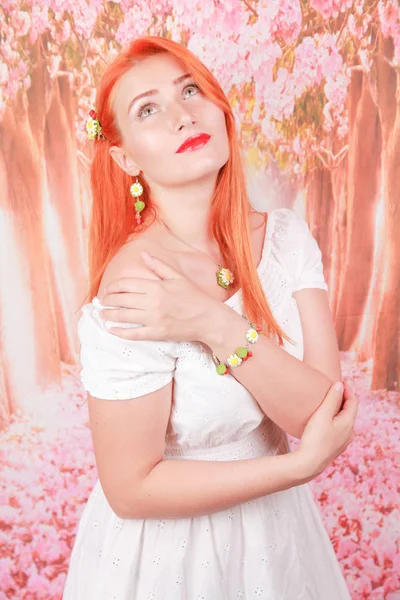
(194, 143)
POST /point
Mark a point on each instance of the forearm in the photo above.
(189, 488)
(288, 390)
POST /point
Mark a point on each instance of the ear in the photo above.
(124, 161)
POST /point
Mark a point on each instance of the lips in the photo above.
(194, 143)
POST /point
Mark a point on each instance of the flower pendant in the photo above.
(225, 277)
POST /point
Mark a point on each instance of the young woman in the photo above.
(199, 496)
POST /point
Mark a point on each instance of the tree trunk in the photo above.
(7, 404)
(339, 238)
(29, 333)
(386, 349)
(320, 209)
(323, 210)
(26, 186)
(362, 191)
(65, 236)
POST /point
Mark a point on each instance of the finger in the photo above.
(350, 407)
(133, 316)
(139, 334)
(333, 399)
(160, 268)
(131, 302)
(128, 285)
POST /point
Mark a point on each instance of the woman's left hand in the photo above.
(169, 308)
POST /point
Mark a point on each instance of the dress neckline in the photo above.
(264, 256)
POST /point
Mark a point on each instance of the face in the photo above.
(172, 134)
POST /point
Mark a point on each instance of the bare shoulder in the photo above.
(128, 262)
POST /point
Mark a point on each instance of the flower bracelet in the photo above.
(242, 353)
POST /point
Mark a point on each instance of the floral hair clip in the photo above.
(93, 127)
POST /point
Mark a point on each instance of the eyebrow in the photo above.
(152, 92)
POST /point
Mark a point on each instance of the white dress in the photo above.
(272, 548)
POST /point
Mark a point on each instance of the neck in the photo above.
(186, 212)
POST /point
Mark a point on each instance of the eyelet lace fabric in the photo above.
(271, 548)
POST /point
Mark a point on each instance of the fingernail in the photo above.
(338, 386)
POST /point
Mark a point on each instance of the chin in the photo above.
(203, 166)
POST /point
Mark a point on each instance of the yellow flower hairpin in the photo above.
(93, 127)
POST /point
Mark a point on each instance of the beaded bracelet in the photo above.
(242, 353)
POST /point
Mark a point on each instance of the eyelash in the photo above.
(142, 108)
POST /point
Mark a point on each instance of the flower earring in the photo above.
(136, 190)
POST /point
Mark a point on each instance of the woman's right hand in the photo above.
(329, 431)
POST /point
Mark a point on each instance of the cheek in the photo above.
(153, 152)
(222, 137)
(216, 119)
(148, 145)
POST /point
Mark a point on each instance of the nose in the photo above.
(180, 117)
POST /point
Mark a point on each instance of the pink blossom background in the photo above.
(287, 67)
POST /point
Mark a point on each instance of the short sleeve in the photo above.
(299, 252)
(117, 369)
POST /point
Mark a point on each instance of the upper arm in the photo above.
(129, 441)
(130, 395)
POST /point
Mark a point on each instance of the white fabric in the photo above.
(118, 369)
(274, 548)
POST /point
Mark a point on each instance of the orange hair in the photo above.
(113, 218)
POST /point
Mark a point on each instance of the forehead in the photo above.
(151, 73)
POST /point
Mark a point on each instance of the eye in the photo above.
(193, 88)
(146, 110)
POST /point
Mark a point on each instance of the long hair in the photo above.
(113, 218)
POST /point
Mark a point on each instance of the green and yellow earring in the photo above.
(136, 190)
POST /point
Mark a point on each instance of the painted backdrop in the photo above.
(315, 86)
